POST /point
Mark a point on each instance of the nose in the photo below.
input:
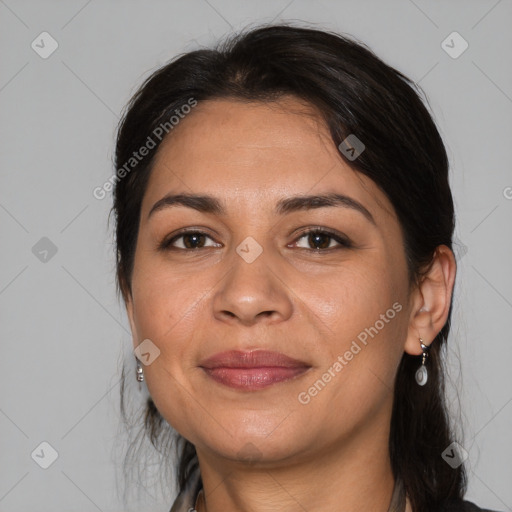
(252, 293)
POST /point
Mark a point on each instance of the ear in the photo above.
(129, 312)
(431, 301)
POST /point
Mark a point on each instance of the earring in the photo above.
(140, 373)
(421, 372)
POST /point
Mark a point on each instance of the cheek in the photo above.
(365, 324)
(363, 313)
(164, 312)
(353, 299)
(161, 300)
(171, 309)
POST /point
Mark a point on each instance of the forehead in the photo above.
(254, 153)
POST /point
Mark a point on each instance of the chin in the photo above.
(254, 443)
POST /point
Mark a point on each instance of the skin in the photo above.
(264, 450)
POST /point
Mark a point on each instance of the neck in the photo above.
(351, 476)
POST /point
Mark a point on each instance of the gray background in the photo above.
(63, 332)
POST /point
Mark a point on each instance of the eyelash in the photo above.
(343, 241)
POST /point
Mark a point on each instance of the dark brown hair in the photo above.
(355, 93)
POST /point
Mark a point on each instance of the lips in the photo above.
(252, 370)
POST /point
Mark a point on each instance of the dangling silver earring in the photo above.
(421, 372)
(140, 373)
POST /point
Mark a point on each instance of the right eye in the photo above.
(187, 240)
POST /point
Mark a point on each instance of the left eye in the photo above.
(320, 239)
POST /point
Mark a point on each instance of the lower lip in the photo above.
(250, 379)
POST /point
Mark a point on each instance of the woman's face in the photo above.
(247, 278)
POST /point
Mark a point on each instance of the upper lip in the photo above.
(251, 359)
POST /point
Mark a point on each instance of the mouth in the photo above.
(252, 370)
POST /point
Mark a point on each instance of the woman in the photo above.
(284, 250)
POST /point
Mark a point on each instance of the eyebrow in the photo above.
(209, 204)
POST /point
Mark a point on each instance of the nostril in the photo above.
(265, 313)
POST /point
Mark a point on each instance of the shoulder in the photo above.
(464, 506)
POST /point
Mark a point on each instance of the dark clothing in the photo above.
(465, 506)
